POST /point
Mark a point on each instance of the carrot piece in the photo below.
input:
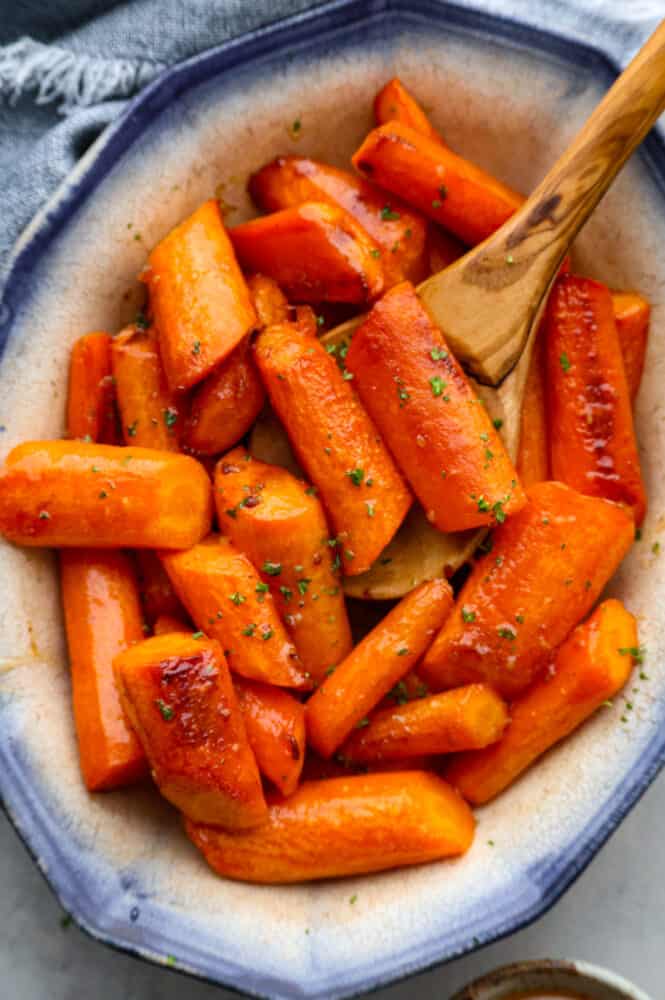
(64, 493)
(385, 655)
(177, 691)
(275, 724)
(592, 438)
(632, 314)
(533, 459)
(590, 667)
(149, 411)
(394, 103)
(90, 400)
(157, 593)
(169, 623)
(276, 521)
(315, 252)
(417, 394)
(335, 442)
(226, 598)
(463, 719)
(398, 231)
(442, 249)
(545, 570)
(270, 302)
(345, 826)
(443, 186)
(198, 296)
(102, 617)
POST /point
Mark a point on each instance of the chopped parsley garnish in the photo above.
(388, 215)
(363, 722)
(303, 585)
(197, 635)
(170, 416)
(165, 710)
(272, 568)
(267, 632)
(498, 423)
(237, 598)
(196, 349)
(438, 354)
(375, 252)
(468, 616)
(506, 632)
(403, 651)
(131, 429)
(250, 630)
(356, 476)
(141, 320)
(637, 652)
(564, 362)
(437, 384)
(44, 515)
(286, 592)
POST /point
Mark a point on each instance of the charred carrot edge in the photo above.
(384, 656)
(394, 103)
(102, 618)
(542, 573)
(70, 493)
(91, 400)
(275, 724)
(632, 314)
(345, 826)
(589, 668)
(150, 413)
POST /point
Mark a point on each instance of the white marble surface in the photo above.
(612, 916)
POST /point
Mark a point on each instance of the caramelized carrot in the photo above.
(385, 655)
(227, 599)
(169, 623)
(276, 520)
(64, 493)
(90, 400)
(270, 302)
(102, 618)
(590, 667)
(345, 826)
(315, 252)
(546, 567)
(335, 442)
(443, 186)
(632, 314)
(431, 419)
(198, 296)
(592, 439)
(394, 103)
(275, 724)
(533, 458)
(177, 691)
(464, 719)
(149, 411)
(398, 231)
(157, 593)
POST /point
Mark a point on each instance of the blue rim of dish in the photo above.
(32, 823)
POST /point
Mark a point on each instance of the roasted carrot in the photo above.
(345, 826)
(169, 623)
(177, 691)
(632, 314)
(384, 656)
(150, 413)
(398, 231)
(227, 599)
(443, 186)
(275, 724)
(64, 493)
(592, 438)
(442, 249)
(544, 571)
(464, 719)
(157, 594)
(315, 252)
(430, 417)
(277, 521)
(533, 459)
(270, 303)
(198, 296)
(91, 400)
(394, 103)
(102, 617)
(335, 442)
(589, 668)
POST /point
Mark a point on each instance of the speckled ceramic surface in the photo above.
(509, 97)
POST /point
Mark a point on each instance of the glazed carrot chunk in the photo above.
(443, 186)
(394, 103)
(198, 296)
(91, 399)
(102, 617)
(336, 443)
(149, 411)
(533, 458)
(591, 666)
(177, 691)
(275, 724)
(157, 593)
(632, 314)
(398, 231)
(69, 493)
(592, 438)
(276, 520)
(315, 252)
(384, 656)
(464, 719)
(345, 826)
(547, 566)
(227, 599)
(422, 402)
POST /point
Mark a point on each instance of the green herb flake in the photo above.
(505, 632)
(498, 423)
(356, 476)
(371, 507)
(170, 416)
(131, 429)
(468, 616)
(564, 362)
(637, 652)
(655, 548)
(44, 515)
(166, 711)
(437, 385)
(483, 505)
(403, 651)
(250, 630)
(438, 354)
(353, 898)
(141, 320)
(286, 592)
(197, 635)
(272, 568)
(375, 252)
(311, 491)
(267, 633)
(388, 215)
(363, 722)
(436, 203)
(196, 349)
(237, 598)
(321, 321)
(303, 585)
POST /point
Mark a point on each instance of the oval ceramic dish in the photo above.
(509, 96)
(587, 982)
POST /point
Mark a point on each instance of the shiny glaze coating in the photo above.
(275, 724)
(533, 457)
(91, 412)
(632, 315)
(150, 413)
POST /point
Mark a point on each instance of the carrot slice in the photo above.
(591, 666)
(149, 411)
(345, 826)
(546, 567)
(632, 314)
(394, 103)
(275, 723)
(91, 398)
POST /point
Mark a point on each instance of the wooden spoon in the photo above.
(488, 303)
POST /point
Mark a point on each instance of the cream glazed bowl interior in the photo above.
(509, 96)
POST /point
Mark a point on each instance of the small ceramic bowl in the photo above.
(563, 980)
